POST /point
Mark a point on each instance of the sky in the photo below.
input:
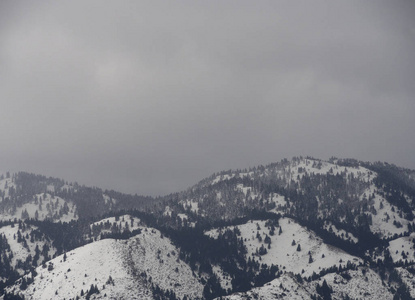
(150, 97)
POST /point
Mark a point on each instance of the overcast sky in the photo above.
(150, 97)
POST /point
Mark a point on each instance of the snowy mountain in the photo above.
(297, 229)
(296, 249)
(114, 269)
(29, 196)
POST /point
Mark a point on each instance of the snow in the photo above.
(408, 279)
(363, 284)
(158, 257)
(279, 200)
(194, 206)
(67, 187)
(90, 264)
(284, 287)
(244, 189)
(19, 251)
(167, 211)
(123, 222)
(151, 258)
(224, 279)
(382, 221)
(222, 178)
(404, 244)
(133, 265)
(183, 216)
(341, 233)
(47, 207)
(284, 254)
(306, 166)
(108, 199)
(280, 203)
(50, 188)
(5, 185)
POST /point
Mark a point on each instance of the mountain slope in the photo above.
(118, 269)
(359, 284)
(29, 196)
(98, 264)
(353, 196)
(292, 247)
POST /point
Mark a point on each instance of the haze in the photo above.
(150, 97)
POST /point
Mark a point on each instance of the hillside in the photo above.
(115, 269)
(302, 228)
(291, 247)
(29, 196)
(359, 284)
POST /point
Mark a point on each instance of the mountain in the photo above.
(114, 268)
(25, 195)
(297, 229)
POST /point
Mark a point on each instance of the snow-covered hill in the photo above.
(29, 196)
(74, 273)
(118, 269)
(291, 247)
(344, 194)
(41, 207)
(18, 203)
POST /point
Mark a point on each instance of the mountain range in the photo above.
(303, 228)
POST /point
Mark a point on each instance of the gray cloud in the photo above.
(150, 97)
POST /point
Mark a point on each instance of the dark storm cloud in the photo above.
(150, 97)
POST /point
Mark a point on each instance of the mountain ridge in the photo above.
(240, 232)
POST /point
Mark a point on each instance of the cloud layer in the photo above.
(149, 97)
